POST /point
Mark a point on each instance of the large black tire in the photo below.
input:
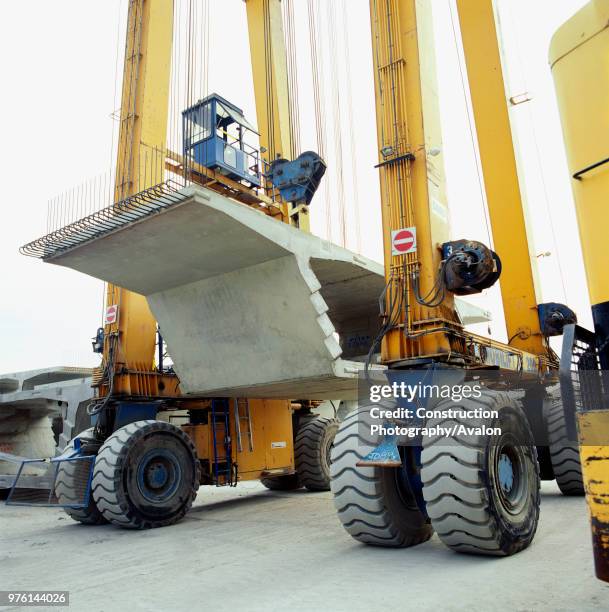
(564, 453)
(312, 448)
(375, 505)
(69, 483)
(284, 482)
(146, 475)
(482, 492)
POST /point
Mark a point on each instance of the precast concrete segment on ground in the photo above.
(249, 306)
(28, 403)
(252, 549)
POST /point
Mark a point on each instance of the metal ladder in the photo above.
(223, 464)
(247, 417)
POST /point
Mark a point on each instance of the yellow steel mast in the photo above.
(413, 192)
(130, 339)
(412, 180)
(270, 71)
(504, 198)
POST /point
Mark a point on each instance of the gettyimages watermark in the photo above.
(417, 420)
(455, 407)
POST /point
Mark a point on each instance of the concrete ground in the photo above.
(253, 549)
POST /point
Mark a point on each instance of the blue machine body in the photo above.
(130, 412)
(214, 133)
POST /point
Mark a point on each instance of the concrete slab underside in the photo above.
(248, 306)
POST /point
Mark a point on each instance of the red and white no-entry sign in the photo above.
(404, 241)
(111, 314)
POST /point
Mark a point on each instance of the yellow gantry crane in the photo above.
(479, 492)
(224, 440)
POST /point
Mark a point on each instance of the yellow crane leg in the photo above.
(270, 71)
(411, 168)
(579, 57)
(504, 198)
(131, 334)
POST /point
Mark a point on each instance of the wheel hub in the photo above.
(158, 475)
(506, 473)
(511, 481)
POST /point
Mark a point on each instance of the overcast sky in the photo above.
(59, 91)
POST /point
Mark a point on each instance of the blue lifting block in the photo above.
(298, 180)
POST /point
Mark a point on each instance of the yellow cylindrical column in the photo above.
(270, 71)
(412, 178)
(498, 159)
(142, 137)
(580, 63)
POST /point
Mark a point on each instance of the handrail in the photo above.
(578, 175)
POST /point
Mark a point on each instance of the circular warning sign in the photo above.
(404, 241)
(111, 314)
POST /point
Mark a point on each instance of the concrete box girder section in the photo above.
(248, 305)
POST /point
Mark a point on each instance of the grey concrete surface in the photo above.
(241, 303)
(252, 549)
(248, 306)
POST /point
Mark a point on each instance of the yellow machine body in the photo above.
(580, 64)
(579, 57)
(261, 446)
(411, 179)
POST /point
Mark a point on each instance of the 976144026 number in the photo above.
(34, 598)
